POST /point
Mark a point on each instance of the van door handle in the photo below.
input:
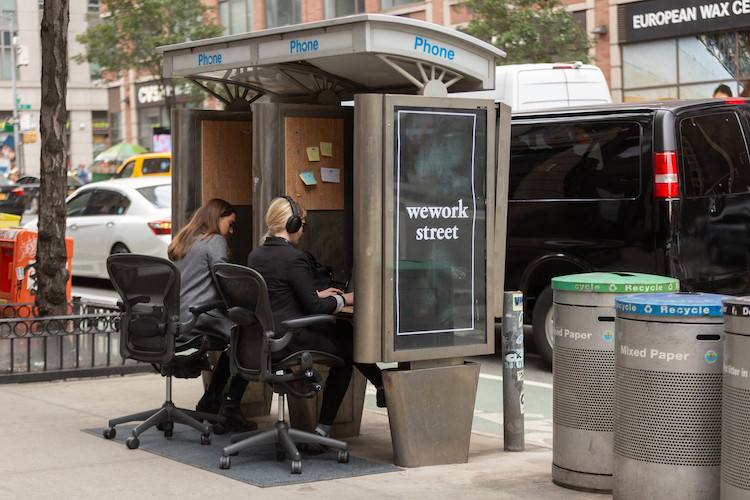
(73, 227)
(110, 224)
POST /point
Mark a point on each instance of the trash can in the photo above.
(668, 376)
(583, 372)
(735, 412)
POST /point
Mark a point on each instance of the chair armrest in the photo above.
(296, 324)
(203, 307)
(197, 310)
(305, 321)
(278, 344)
(135, 300)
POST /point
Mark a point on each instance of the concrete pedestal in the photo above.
(303, 412)
(430, 412)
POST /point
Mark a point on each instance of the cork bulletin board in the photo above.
(315, 153)
(227, 156)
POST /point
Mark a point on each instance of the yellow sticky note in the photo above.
(313, 154)
(326, 149)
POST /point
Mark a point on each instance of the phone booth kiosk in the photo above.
(405, 192)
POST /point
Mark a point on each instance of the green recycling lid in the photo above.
(623, 283)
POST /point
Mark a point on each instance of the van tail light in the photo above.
(665, 175)
(735, 100)
(18, 191)
(161, 227)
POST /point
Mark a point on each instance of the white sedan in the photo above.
(131, 215)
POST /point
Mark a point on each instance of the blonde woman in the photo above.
(288, 273)
(196, 248)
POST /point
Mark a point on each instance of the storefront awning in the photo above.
(331, 60)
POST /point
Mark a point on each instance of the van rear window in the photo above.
(714, 155)
(581, 161)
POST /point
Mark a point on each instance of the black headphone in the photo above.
(293, 223)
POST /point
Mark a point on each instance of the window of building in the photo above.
(283, 13)
(7, 9)
(114, 128)
(6, 56)
(387, 4)
(99, 131)
(340, 8)
(686, 68)
(236, 16)
(93, 6)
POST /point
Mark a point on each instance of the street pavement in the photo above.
(46, 454)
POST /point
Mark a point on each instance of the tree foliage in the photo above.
(130, 30)
(529, 31)
(51, 255)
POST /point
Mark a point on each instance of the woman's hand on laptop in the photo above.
(329, 292)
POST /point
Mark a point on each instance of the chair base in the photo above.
(165, 416)
(285, 438)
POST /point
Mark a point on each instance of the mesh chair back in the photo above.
(149, 288)
(246, 297)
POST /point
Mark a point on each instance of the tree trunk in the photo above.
(51, 255)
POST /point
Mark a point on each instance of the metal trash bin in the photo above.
(583, 372)
(735, 411)
(668, 376)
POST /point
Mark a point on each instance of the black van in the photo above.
(653, 187)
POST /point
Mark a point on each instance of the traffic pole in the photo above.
(512, 348)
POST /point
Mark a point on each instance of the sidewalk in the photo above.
(46, 454)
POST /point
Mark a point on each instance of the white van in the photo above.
(546, 85)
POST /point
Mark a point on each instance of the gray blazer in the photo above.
(196, 284)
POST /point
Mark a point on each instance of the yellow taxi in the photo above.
(145, 164)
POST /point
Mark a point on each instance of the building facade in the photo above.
(647, 49)
(87, 123)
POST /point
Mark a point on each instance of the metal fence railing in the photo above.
(83, 343)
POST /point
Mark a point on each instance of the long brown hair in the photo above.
(204, 224)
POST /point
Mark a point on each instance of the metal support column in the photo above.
(512, 345)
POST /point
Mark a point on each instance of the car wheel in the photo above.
(119, 248)
(543, 326)
(34, 205)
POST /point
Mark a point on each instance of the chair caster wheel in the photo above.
(343, 457)
(205, 439)
(224, 462)
(168, 428)
(296, 466)
(132, 443)
(219, 428)
(109, 433)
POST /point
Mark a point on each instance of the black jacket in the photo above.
(291, 287)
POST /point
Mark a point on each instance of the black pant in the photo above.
(219, 379)
(339, 341)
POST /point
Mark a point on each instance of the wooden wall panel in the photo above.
(300, 134)
(226, 155)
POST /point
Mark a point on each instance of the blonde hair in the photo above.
(278, 213)
(204, 224)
